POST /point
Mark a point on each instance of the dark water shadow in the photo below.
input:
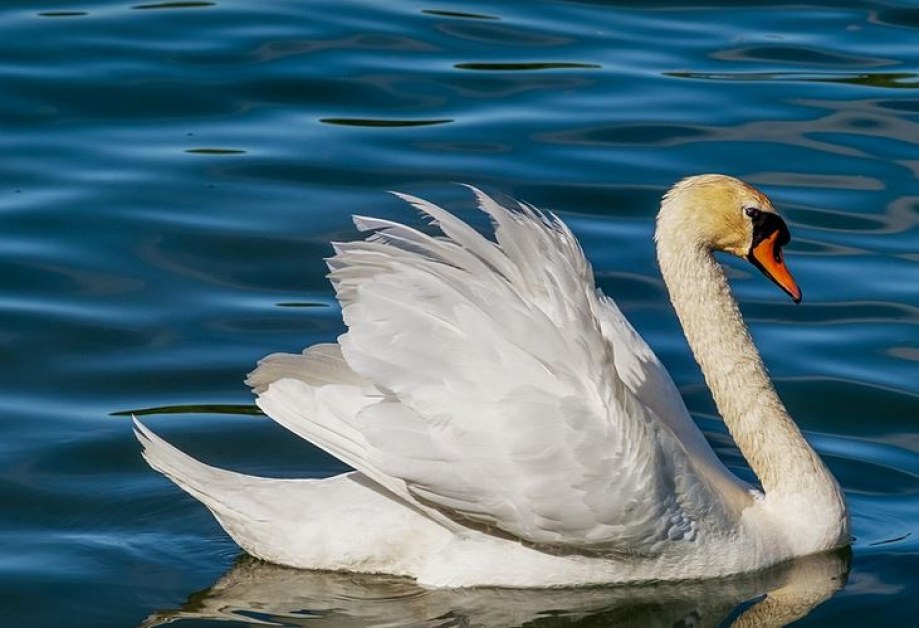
(373, 122)
(525, 67)
(202, 408)
(215, 151)
(892, 80)
(173, 5)
(459, 14)
(259, 592)
(63, 14)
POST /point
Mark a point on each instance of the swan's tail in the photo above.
(209, 485)
(256, 512)
(306, 523)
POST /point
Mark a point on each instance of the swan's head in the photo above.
(722, 213)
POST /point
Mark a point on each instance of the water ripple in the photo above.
(459, 14)
(525, 66)
(175, 5)
(370, 122)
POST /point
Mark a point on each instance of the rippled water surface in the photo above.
(172, 174)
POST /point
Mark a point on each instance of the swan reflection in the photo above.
(256, 592)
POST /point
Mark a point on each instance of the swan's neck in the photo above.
(773, 445)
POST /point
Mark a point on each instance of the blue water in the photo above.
(172, 174)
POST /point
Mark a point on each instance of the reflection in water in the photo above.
(175, 5)
(255, 591)
(215, 151)
(200, 408)
(459, 14)
(63, 13)
(875, 79)
(373, 122)
(525, 67)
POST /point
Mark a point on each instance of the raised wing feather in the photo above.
(644, 375)
(500, 399)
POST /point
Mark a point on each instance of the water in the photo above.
(173, 172)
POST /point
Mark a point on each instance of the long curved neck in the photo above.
(755, 416)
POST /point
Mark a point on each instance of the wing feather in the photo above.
(500, 400)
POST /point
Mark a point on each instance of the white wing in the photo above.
(644, 375)
(487, 389)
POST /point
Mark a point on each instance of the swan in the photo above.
(508, 426)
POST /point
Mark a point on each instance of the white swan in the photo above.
(508, 426)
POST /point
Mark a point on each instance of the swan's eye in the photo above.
(752, 212)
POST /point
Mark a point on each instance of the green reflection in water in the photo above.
(382, 123)
(215, 151)
(526, 67)
(175, 5)
(895, 80)
(469, 16)
(204, 408)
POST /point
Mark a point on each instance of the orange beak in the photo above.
(767, 256)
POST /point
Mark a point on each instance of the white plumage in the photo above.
(506, 423)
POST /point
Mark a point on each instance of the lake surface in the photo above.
(172, 174)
